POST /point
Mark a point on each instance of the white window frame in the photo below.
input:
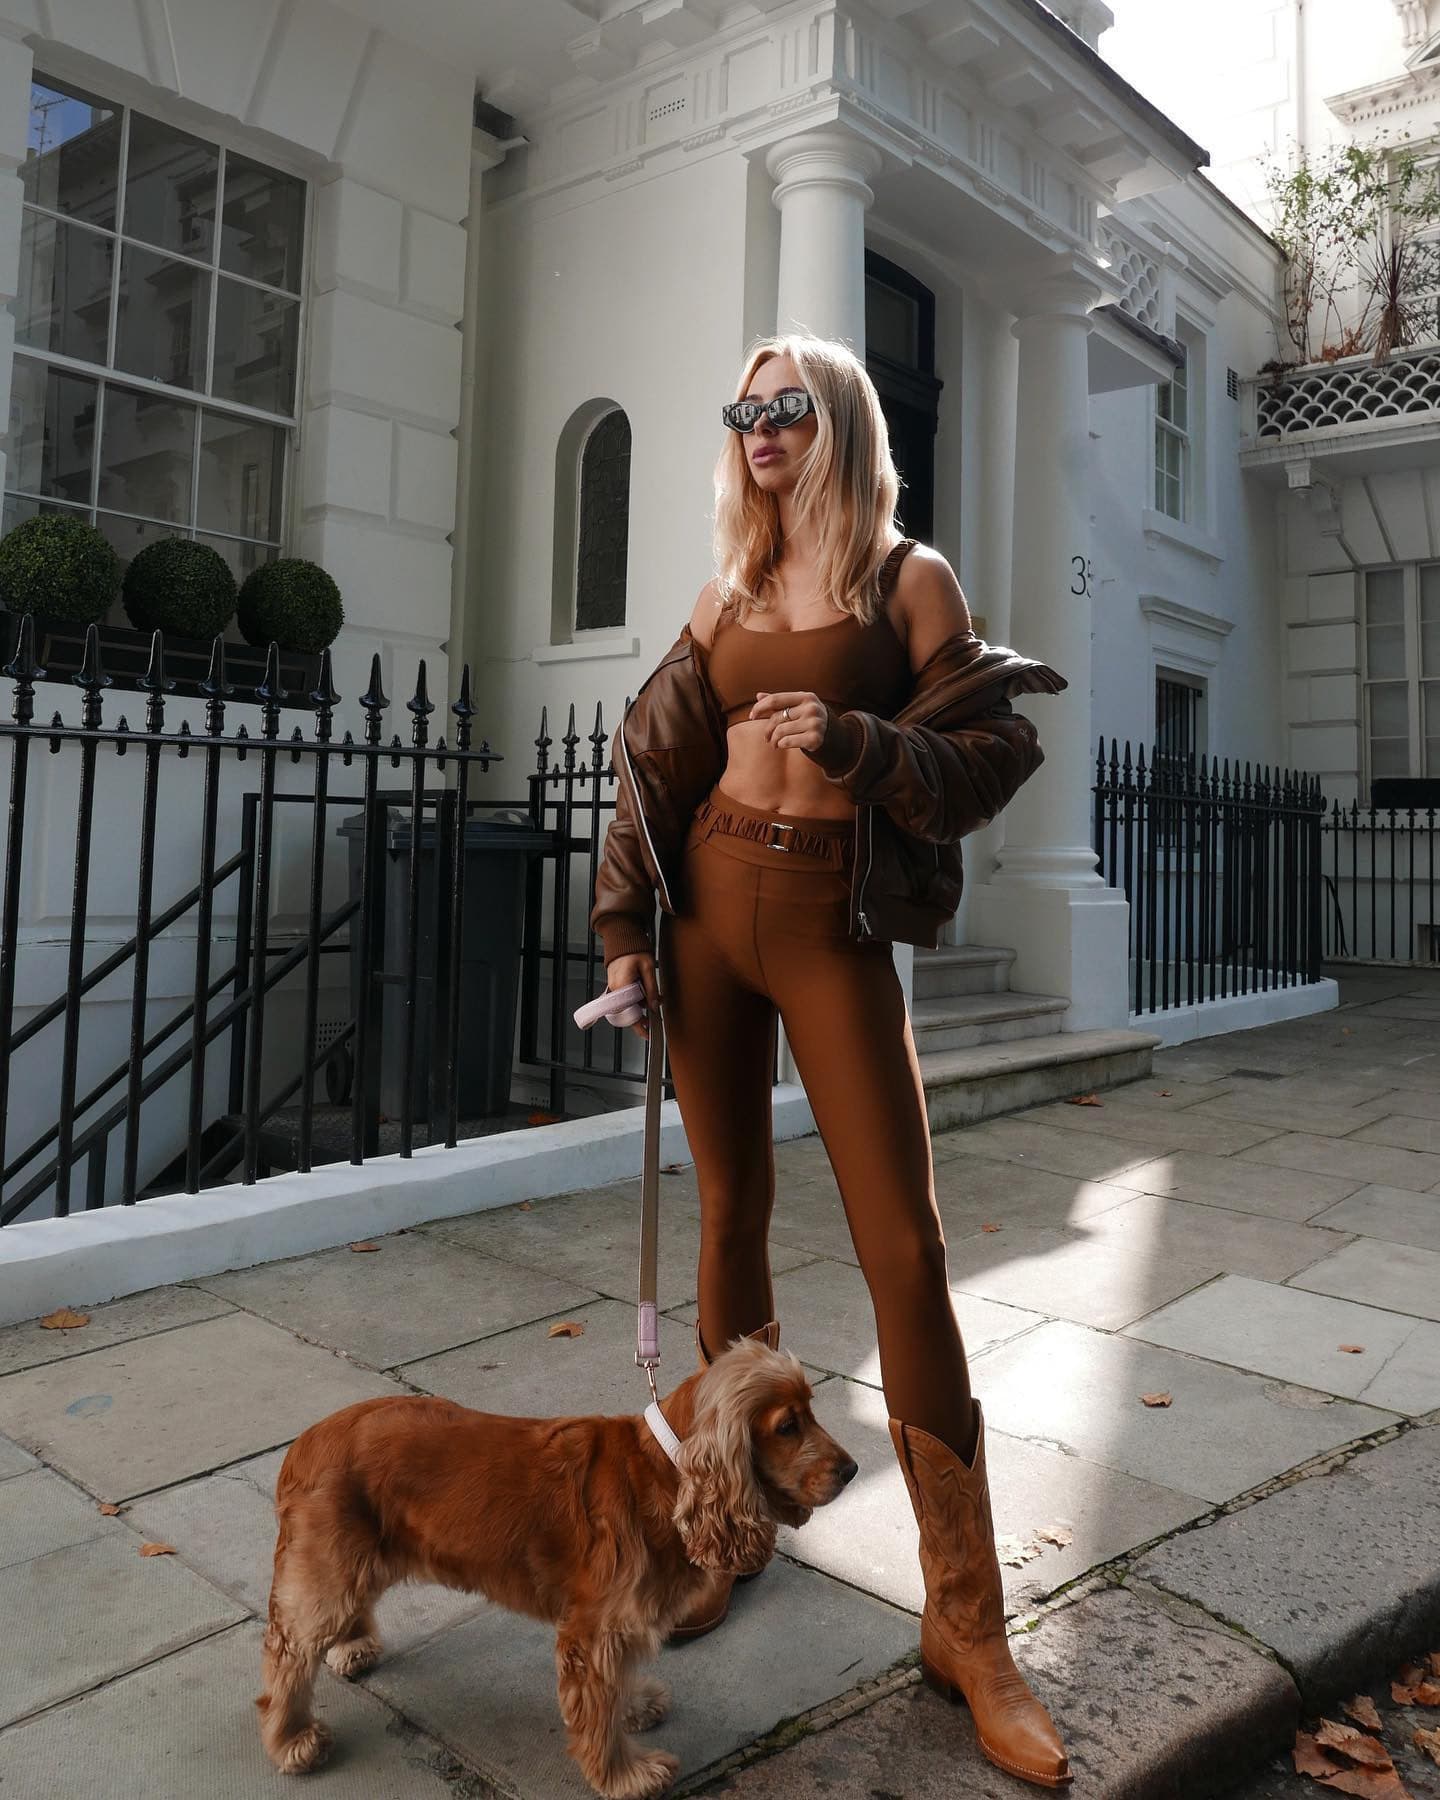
(126, 100)
(1415, 679)
(1168, 432)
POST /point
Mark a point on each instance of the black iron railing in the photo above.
(41, 1156)
(1379, 871)
(1221, 867)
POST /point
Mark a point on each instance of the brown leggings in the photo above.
(761, 933)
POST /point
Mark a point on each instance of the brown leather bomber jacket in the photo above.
(946, 764)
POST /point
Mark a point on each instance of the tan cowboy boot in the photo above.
(714, 1601)
(964, 1652)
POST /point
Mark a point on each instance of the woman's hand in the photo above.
(803, 730)
(639, 966)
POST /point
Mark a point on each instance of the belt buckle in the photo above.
(775, 825)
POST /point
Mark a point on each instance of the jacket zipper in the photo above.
(869, 859)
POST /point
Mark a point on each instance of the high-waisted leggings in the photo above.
(762, 933)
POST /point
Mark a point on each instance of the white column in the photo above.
(822, 188)
(1045, 896)
(15, 67)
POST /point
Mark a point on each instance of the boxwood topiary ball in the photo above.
(293, 602)
(59, 566)
(179, 586)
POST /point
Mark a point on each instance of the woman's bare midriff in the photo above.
(778, 781)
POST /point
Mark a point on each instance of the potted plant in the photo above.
(293, 603)
(179, 586)
(59, 567)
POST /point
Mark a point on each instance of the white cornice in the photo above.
(1389, 99)
(1158, 606)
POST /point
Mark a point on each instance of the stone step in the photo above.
(960, 1021)
(961, 969)
(964, 1086)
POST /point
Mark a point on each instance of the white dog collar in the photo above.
(660, 1426)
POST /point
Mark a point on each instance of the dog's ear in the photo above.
(720, 1512)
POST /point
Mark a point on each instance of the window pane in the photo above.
(164, 315)
(72, 155)
(170, 183)
(1389, 711)
(241, 468)
(147, 454)
(255, 343)
(130, 536)
(1389, 756)
(52, 431)
(1430, 712)
(1385, 651)
(1385, 597)
(64, 298)
(241, 556)
(892, 323)
(262, 225)
(1430, 619)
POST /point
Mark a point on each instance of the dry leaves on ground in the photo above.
(1352, 1349)
(523, 1206)
(157, 1549)
(1084, 1100)
(1362, 1709)
(64, 1318)
(544, 1118)
(109, 1508)
(1428, 1741)
(1155, 1399)
(1415, 1685)
(1012, 1551)
(566, 1328)
(1164, 1093)
(989, 1227)
(1058, 1534)
(1347, 1761)
(364, 1249)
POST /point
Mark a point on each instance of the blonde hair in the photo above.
(847, 486)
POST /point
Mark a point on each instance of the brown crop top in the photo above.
(846, 664)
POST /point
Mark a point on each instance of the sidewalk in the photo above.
(1216, 1233)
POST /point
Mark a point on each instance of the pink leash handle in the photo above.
(621, 1006)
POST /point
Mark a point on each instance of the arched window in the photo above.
(604, 523)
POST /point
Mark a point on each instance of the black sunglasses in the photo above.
(784, 409)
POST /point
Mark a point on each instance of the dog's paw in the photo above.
(643, 1777)
(307, 1750)
(647, 1703)
(354, 1656)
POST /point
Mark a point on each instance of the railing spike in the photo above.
(420, 706)
(374, 702)
(24, 671)
(92, 680)
(270, 693)
(156, 684)
(464, 710)
(324, 699)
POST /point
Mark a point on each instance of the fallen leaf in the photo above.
(1084, 1100)
(1434, 1661)
(1411, 1674)
(1402, 1695)
(989, 1227)
(64, 1318)
(1310, 1759)
(109, 1508)
(1011, 1551)
(157, 1549)
(364, 1249)
(1428, 1741)
(566, 1328)
(1428, 1693)
(671, 1168)
(1353, 1349)
(1155, 1399)
(1369, 1784)
(1056, 1534)
(544, 1118)
(1164, 1093)
(524, 1206)
(1362, 1708)
(1353, 1745)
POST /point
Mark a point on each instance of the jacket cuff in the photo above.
(624, 935)
(842, 744)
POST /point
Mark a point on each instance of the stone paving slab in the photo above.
(808, 1220)
(1153, 1704)
(827, 1317)
(1403, 1133)
(868, 1537)
(185, 1728)
(1297, 1114)
(972, 1191)
(1296, 1194)
(223, 1527)
(1094, 1281)
(1346, 1156)
(14, 1460)
(82, 1615)
(792, 1640)
(1093, 1156)
(415, 1296)
(1297, 1335)
(1399, 1277)
(591, 1239)
(529, 1373)
(1394, 1214)
(138, 1315)
(1162, 1131)
(39, 1513)
(1339, 1574)
(153, 1411)
(1225, 1431)
(1159, 1227)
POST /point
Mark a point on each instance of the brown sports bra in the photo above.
(846, 664)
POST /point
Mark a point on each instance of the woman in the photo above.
(787, 719)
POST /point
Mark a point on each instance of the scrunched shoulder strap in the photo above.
(890, 568)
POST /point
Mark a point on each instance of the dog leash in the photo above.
(647, 1322)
